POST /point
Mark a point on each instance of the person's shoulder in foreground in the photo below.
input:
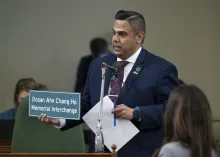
(9, 114)
(176, 149)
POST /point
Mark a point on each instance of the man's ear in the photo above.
(140, 37)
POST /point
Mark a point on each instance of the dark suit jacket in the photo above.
(149, 90)
(82, 73)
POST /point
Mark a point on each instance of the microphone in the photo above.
(115, 68)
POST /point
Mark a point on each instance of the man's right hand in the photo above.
(50, 121)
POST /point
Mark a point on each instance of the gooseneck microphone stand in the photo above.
(99, 139)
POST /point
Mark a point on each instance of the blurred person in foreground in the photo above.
(188, 125)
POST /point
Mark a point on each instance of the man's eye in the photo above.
(123, 34)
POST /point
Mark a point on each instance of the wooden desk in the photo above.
(58, 155)
(5, 147)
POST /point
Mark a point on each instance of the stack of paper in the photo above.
(119, 134)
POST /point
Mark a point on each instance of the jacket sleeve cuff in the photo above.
(62, 124)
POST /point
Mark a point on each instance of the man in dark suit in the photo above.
(148, 81)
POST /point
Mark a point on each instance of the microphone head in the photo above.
(117, 66)
(104, 65)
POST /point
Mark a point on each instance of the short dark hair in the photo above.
(135, 20)
(24, 84)
(98, 46)
(39, 86)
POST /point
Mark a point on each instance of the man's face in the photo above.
(124, 39)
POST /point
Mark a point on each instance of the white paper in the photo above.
(119, 134)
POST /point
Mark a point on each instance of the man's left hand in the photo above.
(122, 111)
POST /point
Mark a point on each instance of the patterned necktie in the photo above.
(117, 84)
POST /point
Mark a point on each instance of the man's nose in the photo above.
(115, 38)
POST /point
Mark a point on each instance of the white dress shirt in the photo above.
(132, 59)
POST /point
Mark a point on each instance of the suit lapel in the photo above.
(133, 75)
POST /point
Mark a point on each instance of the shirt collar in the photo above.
(133, 58)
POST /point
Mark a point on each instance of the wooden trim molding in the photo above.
(57, 155)
(5, 149)
(5, 146)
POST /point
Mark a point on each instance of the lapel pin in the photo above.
(138, 69)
